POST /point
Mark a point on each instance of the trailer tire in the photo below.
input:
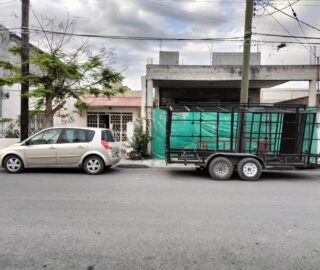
(249, 169)
(220, 168)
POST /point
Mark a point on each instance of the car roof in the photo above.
(86, 128)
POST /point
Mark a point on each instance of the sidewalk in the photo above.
(149, 163)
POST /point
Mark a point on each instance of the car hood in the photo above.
(12, 146)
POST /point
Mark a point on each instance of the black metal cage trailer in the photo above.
(246, 138)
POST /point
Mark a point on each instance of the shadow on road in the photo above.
(64, 171)
(299, 175)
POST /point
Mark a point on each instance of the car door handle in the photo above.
(81, 147)
(52, 148)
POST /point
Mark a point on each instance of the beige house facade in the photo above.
(115, 112)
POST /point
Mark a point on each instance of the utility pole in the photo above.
(24, 102)
(244, 95)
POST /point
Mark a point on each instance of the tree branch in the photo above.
(60, 106)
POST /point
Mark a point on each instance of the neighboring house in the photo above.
(10, 95)
(106, 112)
(169, 83)
(114, 112)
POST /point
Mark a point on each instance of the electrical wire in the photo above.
(292, 17)
(296, 17)
(122, 37)
(283, 8)
(7, 2)
(284, 36)
(308, 49)
(147, 38)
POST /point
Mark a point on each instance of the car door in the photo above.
(72, 145)
(41, 149)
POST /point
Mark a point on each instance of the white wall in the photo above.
(273, 95)
(7, 142)
(77, 119)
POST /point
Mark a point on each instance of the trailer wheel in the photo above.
(249, 169)
(220, 168)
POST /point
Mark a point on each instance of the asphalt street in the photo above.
(150, 218)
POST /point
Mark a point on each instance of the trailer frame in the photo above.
(278, 137)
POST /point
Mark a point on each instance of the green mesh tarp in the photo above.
(159, 118)
(186, 129)
(310, 135)
(212, 131)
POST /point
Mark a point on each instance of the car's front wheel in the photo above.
(13, 164)
(93, 165)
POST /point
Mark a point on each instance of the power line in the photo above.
(133, 37)
(150, 38)
(297, 1)
(284, 36)
(7, 2)
(289, 32)
(296, 17)
(292, 17)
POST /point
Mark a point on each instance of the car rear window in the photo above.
(106, 135)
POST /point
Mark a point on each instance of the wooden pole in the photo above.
(244, 95)
(24, 110)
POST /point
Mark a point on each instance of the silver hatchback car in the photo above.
(92, 149)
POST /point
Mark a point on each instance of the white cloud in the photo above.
(170, 18)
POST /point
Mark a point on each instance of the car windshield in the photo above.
(106, 135)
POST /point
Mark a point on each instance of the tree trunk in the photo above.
(48, 113)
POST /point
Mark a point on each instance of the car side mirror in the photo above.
(26, 143)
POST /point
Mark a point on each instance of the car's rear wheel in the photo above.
(93, 165)
(13, 164)
(220, 168)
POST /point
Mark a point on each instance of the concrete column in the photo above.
(157, 96)
(149, 99)
(149, 110)
(312, 99)
(143, 97)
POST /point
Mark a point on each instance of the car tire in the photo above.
(220, 168)
(249, 169)
(13, 164)
(93, 165)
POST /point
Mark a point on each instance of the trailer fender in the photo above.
(234, 157)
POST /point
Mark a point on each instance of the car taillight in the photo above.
(106, 145)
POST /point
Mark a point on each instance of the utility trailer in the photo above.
(249, 139)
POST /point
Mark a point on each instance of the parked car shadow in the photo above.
(64, 171)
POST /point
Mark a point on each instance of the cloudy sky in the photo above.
(177, 19)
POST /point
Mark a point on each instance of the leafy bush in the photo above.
(140, 139)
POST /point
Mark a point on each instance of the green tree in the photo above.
(57, 73)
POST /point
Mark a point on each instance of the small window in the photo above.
(77, 136)
(49, 136)
(106, 135)
(37, 139)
